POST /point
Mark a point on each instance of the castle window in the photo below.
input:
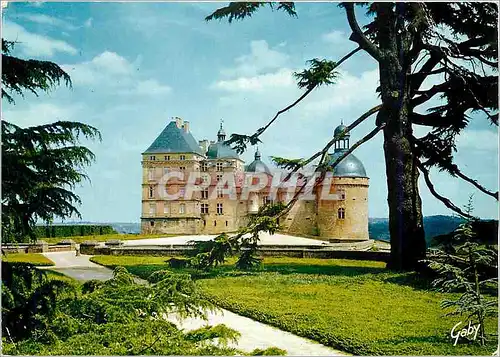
(226, 223)
(151, 174)
(182, 208)
(219, 166)
(341, 213)
(182, 191)
(215, 223)
(220, 193)
(204, 166)
(167, 158)
(341, 194)
(166, 209)
(165, 170)
(204, 208)
(204, 223)
(219, 208)
(151, 192)
(152, 158)
(204, 194)
(205, 178)
(152, 209)
(152, 223)
(182, 157)
(182, 168)
(219, 177)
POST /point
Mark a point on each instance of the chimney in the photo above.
(178, 122)
(203, 145)
(185, 126)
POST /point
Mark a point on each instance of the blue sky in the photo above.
(136, 65)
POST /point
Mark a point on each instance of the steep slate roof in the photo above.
(172, 139)
(219, 150)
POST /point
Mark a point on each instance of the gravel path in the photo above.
(253, 334)
(265, 238)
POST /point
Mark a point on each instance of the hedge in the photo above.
(72, 230)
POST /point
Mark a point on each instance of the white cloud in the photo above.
(149, 87)
(31, 44)
(281, 79)
(335, 37)
(260, 59)
(48, 20)
(348, 91)
(110, 71)
(106, 68)
(41, 113)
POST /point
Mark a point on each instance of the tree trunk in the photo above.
(405, 206)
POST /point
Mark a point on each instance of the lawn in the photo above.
(355, 306)
(33, 258)
(106, 237)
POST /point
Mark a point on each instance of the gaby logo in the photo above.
(465, 332)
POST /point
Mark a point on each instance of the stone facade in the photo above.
(211, 211)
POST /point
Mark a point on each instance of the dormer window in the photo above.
(152, 158)
(167, 157)
(182, 157)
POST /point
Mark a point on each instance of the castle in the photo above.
(213, 207)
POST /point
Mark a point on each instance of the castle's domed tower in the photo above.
(345, 218)
(258, 199)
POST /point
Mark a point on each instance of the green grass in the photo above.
(33, 258)
(356, 306)
(106, 237)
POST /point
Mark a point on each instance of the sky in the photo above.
(134, 66)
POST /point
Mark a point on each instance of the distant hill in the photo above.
(378, 228)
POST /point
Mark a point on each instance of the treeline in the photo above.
(72, 230)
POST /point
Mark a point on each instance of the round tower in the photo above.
(344, 218)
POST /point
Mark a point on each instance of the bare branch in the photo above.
(337, 137)
(453, 169)
(459, 173)
(358, 36)
(443, 199)
(261, 130)
(367, 137)
(428, 94)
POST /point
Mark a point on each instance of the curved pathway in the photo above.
(253, 334)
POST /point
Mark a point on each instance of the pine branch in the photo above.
(241, 140)
(443, 199)
(242, 10)
(357, 34)
(19, 75)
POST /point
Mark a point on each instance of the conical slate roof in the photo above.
(172, 140)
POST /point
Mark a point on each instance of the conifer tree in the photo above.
(463, 266)
(453, 44)
(41, 164)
